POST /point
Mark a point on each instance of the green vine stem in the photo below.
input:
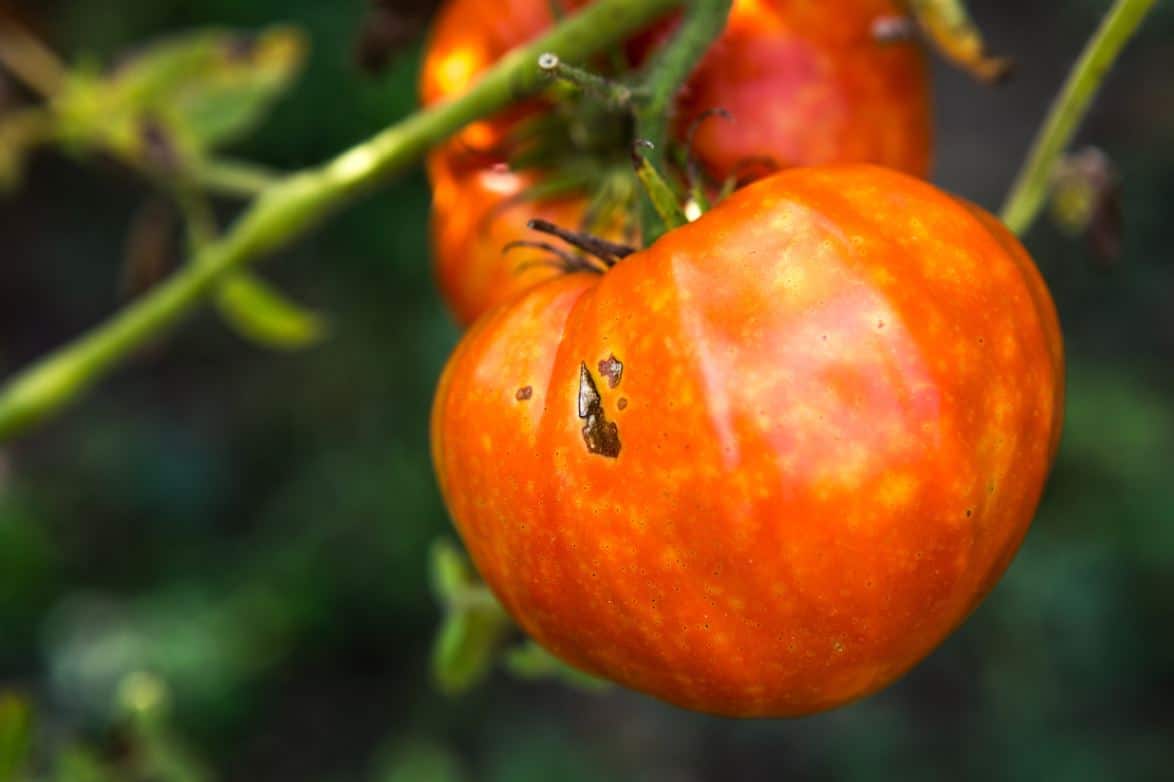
(703, 22)
(1031, 187)
(300, 201)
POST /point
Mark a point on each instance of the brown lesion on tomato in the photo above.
(612, 369)
(600, 435)
(622, 403)
(524, 393)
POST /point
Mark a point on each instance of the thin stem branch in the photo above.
(234, 178)
(1030, 190)
(30, 60)
(702, 23)
(299, 202)
(614, 94)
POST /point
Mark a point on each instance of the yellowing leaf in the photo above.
(948, 25)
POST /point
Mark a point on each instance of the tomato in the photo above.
(764, 466)
(806, 83)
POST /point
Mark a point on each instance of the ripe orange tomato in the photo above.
(806, 83)
(764, 466)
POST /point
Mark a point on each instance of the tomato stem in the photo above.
(1033, 183)
(661, 195)
(298, 202)
(612, 93)
(702, 23)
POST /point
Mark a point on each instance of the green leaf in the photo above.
(466, 647)
(176, 100)
(450, 569)
(474, 627)
(239, 84)
(262, 315)
(16, 728)
(531, 662)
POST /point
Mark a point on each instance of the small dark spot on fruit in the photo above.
(969, 512)
(524, 393)
(622, 403)
(612, 369)
(880, 324)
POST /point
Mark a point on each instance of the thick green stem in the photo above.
(1031, 187)
(299, 202)
(702, 23)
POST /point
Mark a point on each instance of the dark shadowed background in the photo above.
(251, 528)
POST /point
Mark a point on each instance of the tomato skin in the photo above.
(805, 82)
(841, 396)
(475, 215)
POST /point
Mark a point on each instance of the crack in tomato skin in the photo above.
(806, 83)
(807, 502)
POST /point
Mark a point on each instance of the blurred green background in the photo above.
(216, 566)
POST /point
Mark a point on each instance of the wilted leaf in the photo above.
(1086, 200)
(16, 724)
(263, 315)
(948, 25)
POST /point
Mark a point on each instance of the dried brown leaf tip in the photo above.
(948, 26)
(1086, 200)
